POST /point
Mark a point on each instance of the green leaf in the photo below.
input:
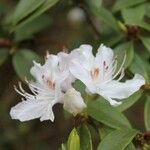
(103, 112)
(24, 8)
(79, 86)
(125, 49)
(45, 6)
(148, 9)
(106, 16)
(146, 42)
(147, 113)
(73, 141)
(63, 146)
(138, 65)
(134, 15)
(128, 102)
(117, 140)
(26, 31)
(111, 39)
(96, 4)
(130, 147)
(104, 131)
(120, 4)
(144, 25)
(23, 61)
(85, 138)
(3, 55)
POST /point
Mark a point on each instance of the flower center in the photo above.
(49, 83)
(95, 73)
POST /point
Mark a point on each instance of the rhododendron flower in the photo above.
(99, 74)
(53, 79)
(46, 92)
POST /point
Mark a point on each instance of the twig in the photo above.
(146, 87)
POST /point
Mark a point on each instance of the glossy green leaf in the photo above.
(125, 49)
(79, 86)
(144, 25)
(117, 140)
(130, 147)
(103, 112)
(106, 16)
(32, 27)
(45, 6)
(148, 9)
(85, 138)
(120, 4)
(23, 61)
(96, 4)
(146, 42)
(147, 113)
(128, 102)
(134, 15)
(3, 55)
(104, 131)
(63, 146)
(24, 8)
(139, 66)
(73, 141)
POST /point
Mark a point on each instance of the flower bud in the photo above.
(73, 102)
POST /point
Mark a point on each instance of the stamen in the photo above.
(120, 68)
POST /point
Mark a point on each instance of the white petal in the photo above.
(120, 90)
(84, 56)
(32, 109)
(104, 61)
(80, 73)
(104, 54)
(111, 101)
(37, 71)
(51, 61)
(73, 102)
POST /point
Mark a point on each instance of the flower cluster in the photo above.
(53, 83)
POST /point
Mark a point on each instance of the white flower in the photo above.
(73, 102)
(64, 61)
(46, 92)
(99, 74)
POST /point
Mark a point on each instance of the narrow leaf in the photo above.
(134, 15)
(85, 138)
(128, 102)
(117, 140)
(22, 62)
(32, 27)
(147, 113)
(138, 65)
(120, 4)
(3, 55)
(24, 8)
(45, 6)
(106, 114)
(146, 42)
(73, 141)
(104, 131)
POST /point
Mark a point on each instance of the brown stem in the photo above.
(146, 87)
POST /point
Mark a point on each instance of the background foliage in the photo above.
(29, 28)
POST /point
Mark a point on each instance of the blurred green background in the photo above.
(30, 28)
